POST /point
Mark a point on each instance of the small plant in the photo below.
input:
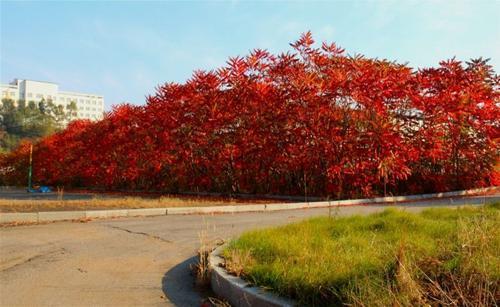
(60, 193)
(333, 211)
(236, 261)
(408, 288)
(201, 269)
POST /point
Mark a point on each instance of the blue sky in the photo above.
(122, 50)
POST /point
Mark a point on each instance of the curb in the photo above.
(237, 291)
(35, 217)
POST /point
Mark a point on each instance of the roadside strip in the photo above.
(49, 216)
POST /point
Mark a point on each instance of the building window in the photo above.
(39, 96)
(30, 95)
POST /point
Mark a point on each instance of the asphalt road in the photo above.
(130, 261)
(17, 193)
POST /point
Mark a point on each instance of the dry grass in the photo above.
(201, 269)
(215, 302)
(9, 205)
(239, 258)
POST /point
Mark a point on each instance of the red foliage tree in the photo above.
(313, 121)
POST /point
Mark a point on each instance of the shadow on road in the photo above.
(178, 285)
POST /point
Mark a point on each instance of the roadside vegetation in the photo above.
(36, 205)
(393, 258)
(312, 121)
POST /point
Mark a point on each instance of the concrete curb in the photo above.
(91, 214)
(34, 217)
(215, 209)
(238, 292)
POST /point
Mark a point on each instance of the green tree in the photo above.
(31, 120)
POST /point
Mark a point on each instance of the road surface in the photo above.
(17, 193)
(131, 261)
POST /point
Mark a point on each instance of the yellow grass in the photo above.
(8, 205)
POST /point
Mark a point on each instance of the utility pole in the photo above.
(30, 168)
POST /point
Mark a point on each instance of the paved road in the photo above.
(17, 193)
(130, 261)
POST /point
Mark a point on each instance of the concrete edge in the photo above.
(147, 212)
(24, 217)
(238, 292)
(60, 215)
(35, 217)
(93, 214)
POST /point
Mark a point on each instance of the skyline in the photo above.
(123, 50)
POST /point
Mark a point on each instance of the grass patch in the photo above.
(437, 257)
(36, 205)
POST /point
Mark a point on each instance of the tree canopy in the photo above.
(32, 120)
(314, 121)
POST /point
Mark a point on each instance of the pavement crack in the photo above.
(32, 258)
(140, 233)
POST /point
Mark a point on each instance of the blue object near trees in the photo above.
(44, 189)
(41, 189)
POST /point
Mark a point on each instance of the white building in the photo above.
(89, 106)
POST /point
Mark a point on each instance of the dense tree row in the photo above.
(313, 121)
